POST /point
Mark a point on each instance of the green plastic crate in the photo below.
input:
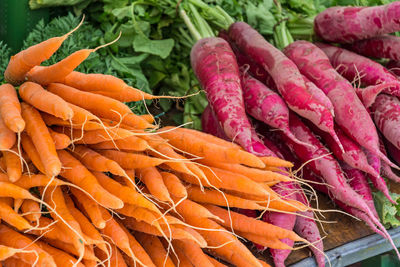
(17, 20)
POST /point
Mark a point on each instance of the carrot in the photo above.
(60, 140)
(7, 137)
(89, 263)
(15, 262)
(93, 136)
(201, 148)
(87, 125)
(7, 252)
(91, 208)
(148, 117)
(88, 255)
(191, 208)
(254, 174)
(14, 191)
(87, 228)
(153, 180)
(276, 162)
(11, 238)
(11, 217)
(41, 138)
(10, 108)
(140, 214)
(49, 229)
(193, 252)
(35, 180)
(126, 194)
(131, 143)
(179, 258)
(131, 160)
(30, 149)
(174, 185)
(215, 262)
(96, 162)
(114, 86)
(13, 164)
(138, 250)
(229, 247)
(60, 257)
(101, 106)
(116, 259)
(211, 196)
(77, 174)
(25, 60)
(264, 241)
(154, 249)
(31, 209)
(246, 224)
(34, 94)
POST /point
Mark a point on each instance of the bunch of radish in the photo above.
(274, 102)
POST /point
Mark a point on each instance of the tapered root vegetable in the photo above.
(43, 100)
(7, 137)
(30, 150)
(10, 108)
(286, 75)
(13, 164)
(11, 217)
(349, 111)
(131, 160)
(41, 138)
(155, 249)
(211, 125)
(61, 141)
(25, 60)
(346, 24)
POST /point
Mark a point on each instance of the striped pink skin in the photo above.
(319, 95)
(210, 124)
(384, 46)
(343, 24)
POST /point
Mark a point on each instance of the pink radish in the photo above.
(394, 67)
(319, 95)
(383, 46)
(353, 67)
(395, 153)
(342, 24)
(265, 105)
(210, 124)
(350, 113)
(286, 75)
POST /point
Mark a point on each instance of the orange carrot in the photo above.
(166, 152)
(96, 162)
(6, 252)
(93, 136)
(81, 115)
(11, 238)
(191, 208)
(31, 209)
(31, 151)
(243, 223)
(87, 125)
(50, 229)
(212, 196)
(60, 257)
(11, 190)
(264, 241)
(131, 160)
(148, 117)
(137, 249)
(215, 262)
(153, 180)
(43, 100)
(34, 180)
(229, 247)
(13, 164)
(7, 137)
(276, 162)
(8, 215)
(77, 174)
(179, 258)
(131, 143)
(101, 106)
(91, 208)
(174, 185)
(140, 214)
(116, 259)
(126, 194)
(41, 138)
(107, 83)
(88, 254)
(25, 60)
(155, 249)
(10, 108)
(15, 262)
(201, 148)
(193, 252)
(60, 140)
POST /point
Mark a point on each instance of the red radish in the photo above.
(265, 105)
(319, 95)
(286, 75)
(386, 114)
(383, 46)
(215, 67)
(386, 170)
(350, 113)
(394, 152)
(283, 220)
(353, 67)
(359, 183)
(244, 61)
(210, 124)
(342, 24)
(354, 155)
(307, 228)
(378, 182)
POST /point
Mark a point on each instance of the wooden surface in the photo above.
(344, 229)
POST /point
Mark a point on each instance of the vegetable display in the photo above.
(85, 181)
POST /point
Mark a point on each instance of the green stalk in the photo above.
(192, 29)
(200, 23)
(215, 15)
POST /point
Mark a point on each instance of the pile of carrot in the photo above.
(85, 182)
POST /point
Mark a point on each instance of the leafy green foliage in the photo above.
(388, 212)
(5, 53)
